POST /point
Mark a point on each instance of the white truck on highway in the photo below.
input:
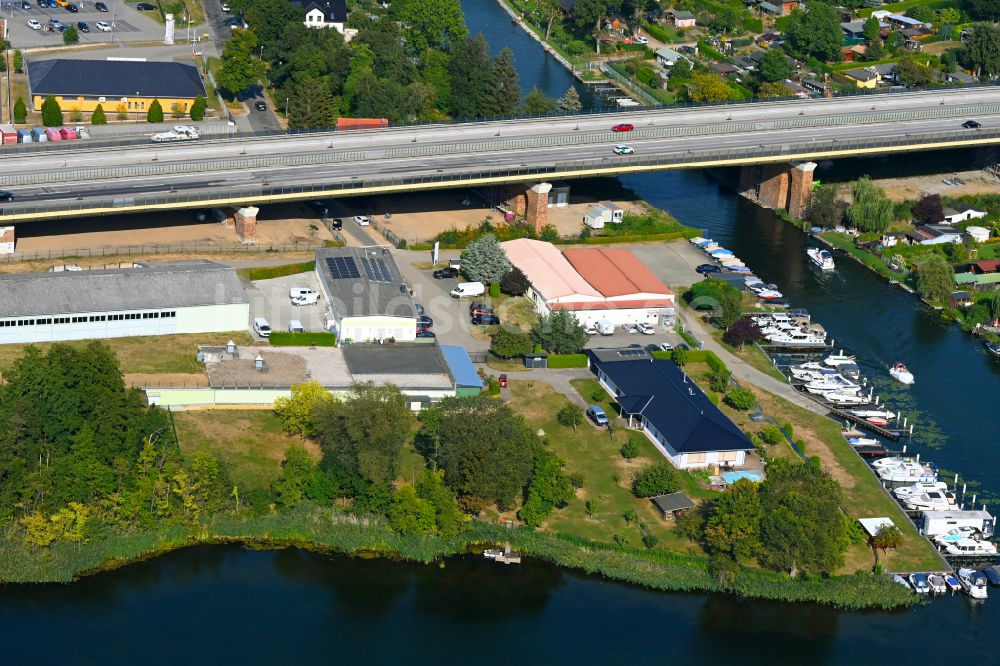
(178, 133)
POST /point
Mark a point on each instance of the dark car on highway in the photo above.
(6, 196)
(444, 273)
(971, 124)
(623, 127)
(705, 269)
(100, 6)
(486, 320)
(145, 7)
(82, 26)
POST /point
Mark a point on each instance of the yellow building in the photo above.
(866, 77)
(120, 86)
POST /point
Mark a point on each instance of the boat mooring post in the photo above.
(904, 448)
(911, 431)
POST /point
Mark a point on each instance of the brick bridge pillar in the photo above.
(778, 186)
(538, 205)
(800, 189)
(246, 225)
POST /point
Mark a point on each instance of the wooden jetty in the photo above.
(505, 556)
(889, 433)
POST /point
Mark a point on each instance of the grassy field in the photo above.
(518, 311)
(250, 443)
(590, 451)
(165, 354)
(271, 272)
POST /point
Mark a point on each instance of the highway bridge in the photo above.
(84, 180)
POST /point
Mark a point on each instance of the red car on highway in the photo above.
(623, 127)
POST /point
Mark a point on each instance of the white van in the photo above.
(605, 327)
(295, 326)
(261, 327)
(467, 289)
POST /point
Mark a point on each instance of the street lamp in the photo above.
(136, 106)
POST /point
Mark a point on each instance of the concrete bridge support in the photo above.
(246, 225)
(779, 185)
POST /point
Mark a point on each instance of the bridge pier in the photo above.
(538, 205)
(246, 224)
(779, 186)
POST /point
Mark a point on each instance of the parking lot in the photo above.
(269, 299)
(128, 24)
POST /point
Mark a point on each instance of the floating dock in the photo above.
(889, 433)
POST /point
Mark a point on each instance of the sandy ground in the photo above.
(276, 225)
(976, 182)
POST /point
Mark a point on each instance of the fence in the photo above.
(146, 250)
(631, 85)
(607, 165)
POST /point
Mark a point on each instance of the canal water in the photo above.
(225, 604)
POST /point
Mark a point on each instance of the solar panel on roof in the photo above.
(343, 268)
(631, 353)
(376, 270)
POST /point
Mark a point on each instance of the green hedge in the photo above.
(673, 235)
(567, 360)
(706, 356)
(271, 272)
(659, 32)
(286, 339)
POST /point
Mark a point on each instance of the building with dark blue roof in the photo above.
(658, 397)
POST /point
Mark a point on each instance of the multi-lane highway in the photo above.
(86, 180)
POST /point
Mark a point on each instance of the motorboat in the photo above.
(992, 347)
(919, 583)
(841, 398)
(873, 413)
(934, 500)
(877, 421)
(737, 269)
(698, 239)
(821, 258)
(895, 470)
(899, 580)
(718, 253)
(751, 280)
(863, 441)
(835, 383)
(769, 294)
(970, 548)
(937, 584)
(957, 534)
(952, 583)
(849, 370)
(973, 582)
(917, 489)
(992, 575)
(797, 338)
(901, 374)
(838, 359)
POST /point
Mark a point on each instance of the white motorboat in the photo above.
(837, 359)
(904, 470)
(957, 534)
(973, 582)
(801, 372)
(863, 441)
(917, 489)
(769, 294)
(919, 583)
(697, 239)
(952, 583)
(937, 583)
(840, 398)
(901, 374)
(797, 338)
(821, 258)
(874, 413)
(934, 500)
(721, 252)
(970, 548)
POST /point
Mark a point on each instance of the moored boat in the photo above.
(837, 359)
(919, 583)
(952, 583)
(970, 548)
(937, 584)
(973, 582)
(934, 500)
(993, 348)
(896, 578)
(918, 489)
(901, 373)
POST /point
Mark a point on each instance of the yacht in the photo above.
(937, 583)
(957, 534)
(874, 414)
(796, 339)
(821, 258)
(901, 374)
(973, 582)
(897, 470)
(837, 359)
(917, 489)
(970, 548)
(828, 384)
(841, 398)
(934, 500)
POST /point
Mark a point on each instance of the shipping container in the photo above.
(361, 123)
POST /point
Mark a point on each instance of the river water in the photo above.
(225, 604)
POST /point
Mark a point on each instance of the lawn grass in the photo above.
(249, 443)
(153, 355)
(271, 272)
(517, 311)
(846, 244)
(750, 354)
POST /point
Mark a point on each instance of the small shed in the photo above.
(596, 217)
(960, 299)
(873, 525)
(978, 234)
(670, 505)
(536, 361)
(617, 212)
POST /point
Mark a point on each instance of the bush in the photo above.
(514, 282)
(630, 449)
(509, 342)
(568, 361)
(741, 398)
(719, 382)
(155, 113)
(198, 108)
(679, 356)
(20, 111)
(576, 479)
(771, 434)
(287, 339)
(656, 479)
(494, 289)
(98, 117)
(71, 35)
(51, 113)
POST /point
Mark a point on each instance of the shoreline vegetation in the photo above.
(328, 530)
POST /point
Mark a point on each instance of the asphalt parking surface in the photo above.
(269, 299)
(128, 25)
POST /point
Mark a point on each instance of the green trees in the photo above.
(509, 342)
(913, 74)
(870, 209)
(770, 90)
(656, 479)
(51, 113)
(886, 537)
(301, 479)
(198, 108)
(470, 72)
(240, 66)
(436, 24)
(18, 61)
(740, 398)
(774, 66)
(71, 35)
(296, 411)
(570, 102)
(709, 87)
(155, 113)
(549, 489)
(824, 209)
(815, 33)
(935, 279)
(587, 14)
(630, 449)
(487, 452)
(483, 260)
(872, 30)
(98, 117)
(733, 523)
(503, 94)
(985, 10)
(364, 434)
(20, 111)
(447, 517)
(536, 102)
(570, 416)
(982, 48)
(559, 333)
(311, 105)
(724, 299)
(514, 282)
(928, 210)
(410, 514)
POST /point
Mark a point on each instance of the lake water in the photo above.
(228, 605)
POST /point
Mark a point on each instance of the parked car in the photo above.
(34, 25)
(590, 329)
(6, 196)
(260, 105)
(303, 296)
(102, 26)
(425, 321)
(419, 308)
(295, 326)
(71, 8)
(623, 127)
(630, 328)
(444, 273)
(475, 312)
(596, 414)
(261, 327)
(482, 306)
(426, 334)
(486, 320)
(55, 23)
(622, 149)
(82, 26)
(100, 6)
(467, 290)
(145, 7)
(362, 220)
(663, 346)
(705, 269)
(971, 124)
(641, 40)
(645, 329)
(336, 223)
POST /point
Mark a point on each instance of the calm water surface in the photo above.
(226, 605)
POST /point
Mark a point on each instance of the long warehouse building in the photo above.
(153, 299)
